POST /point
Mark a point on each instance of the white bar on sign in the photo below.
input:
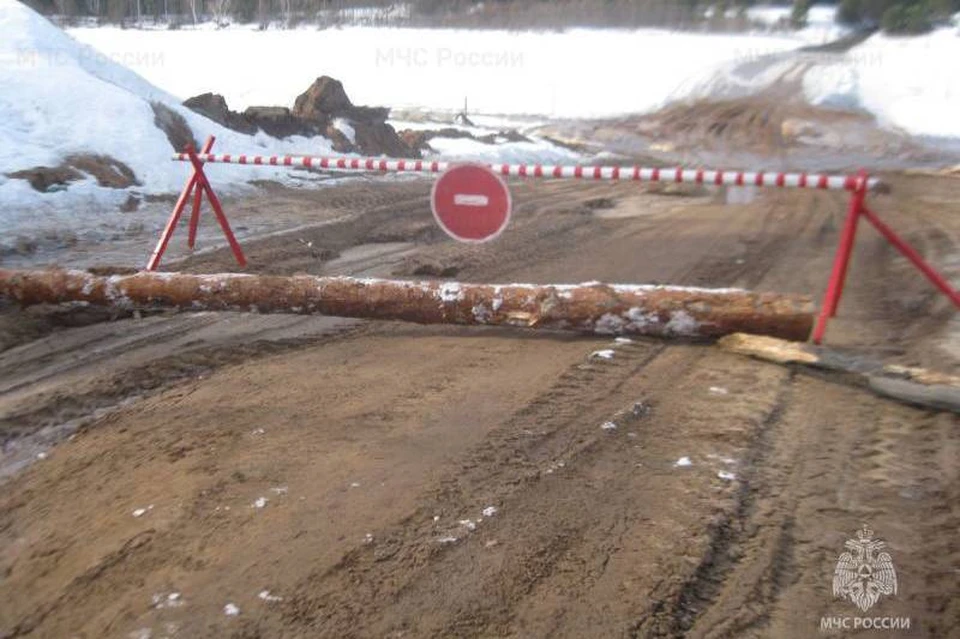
(470, 199)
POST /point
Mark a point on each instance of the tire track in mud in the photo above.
(724, 535)
(764, 244)
(78, 354)
(89, 349)
(68, 405)
(551, 216)
(826, 461)
(598, 532)
(108, 573)
(677, 615)
(553, 431)
(552, 455)
(887, 302)
(924, 311)
(306, 249)
(746, 585)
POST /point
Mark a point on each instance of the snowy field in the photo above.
(578, 73)
(573, 74)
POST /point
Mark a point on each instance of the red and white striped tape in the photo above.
(676, 175)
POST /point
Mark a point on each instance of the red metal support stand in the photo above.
(831, 299)
(196, 185)
(204, 183)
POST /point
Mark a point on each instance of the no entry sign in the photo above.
(471, 203)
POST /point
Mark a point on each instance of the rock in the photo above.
(324, 98)
(415, 140)
(278, 122)
(313, 113)
(341, 143)
(174, 126)
(365, 114)
(381, 138)
(214, 106)
(210, 105)
(510, 136)
(450, 132)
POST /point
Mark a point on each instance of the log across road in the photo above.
(610, 309)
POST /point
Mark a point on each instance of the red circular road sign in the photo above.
(471, 203)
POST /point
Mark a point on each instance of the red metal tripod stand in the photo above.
(196, 185)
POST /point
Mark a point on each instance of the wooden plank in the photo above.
(911, 385)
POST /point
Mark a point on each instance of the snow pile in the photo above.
(535, 151)
(61, 97)
(908, 83)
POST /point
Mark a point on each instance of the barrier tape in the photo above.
(676, 175)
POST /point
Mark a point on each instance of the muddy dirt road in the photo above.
(315, 477)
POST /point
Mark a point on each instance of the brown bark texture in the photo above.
(607, 309)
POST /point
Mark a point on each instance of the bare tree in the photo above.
(220, 9)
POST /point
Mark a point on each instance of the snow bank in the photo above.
(911, 84)
(61, 97)
(908, 83)
(536, 151)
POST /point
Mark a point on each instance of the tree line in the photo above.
(291, 12)
(895, 16)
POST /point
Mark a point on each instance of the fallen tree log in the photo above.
(594, 308)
